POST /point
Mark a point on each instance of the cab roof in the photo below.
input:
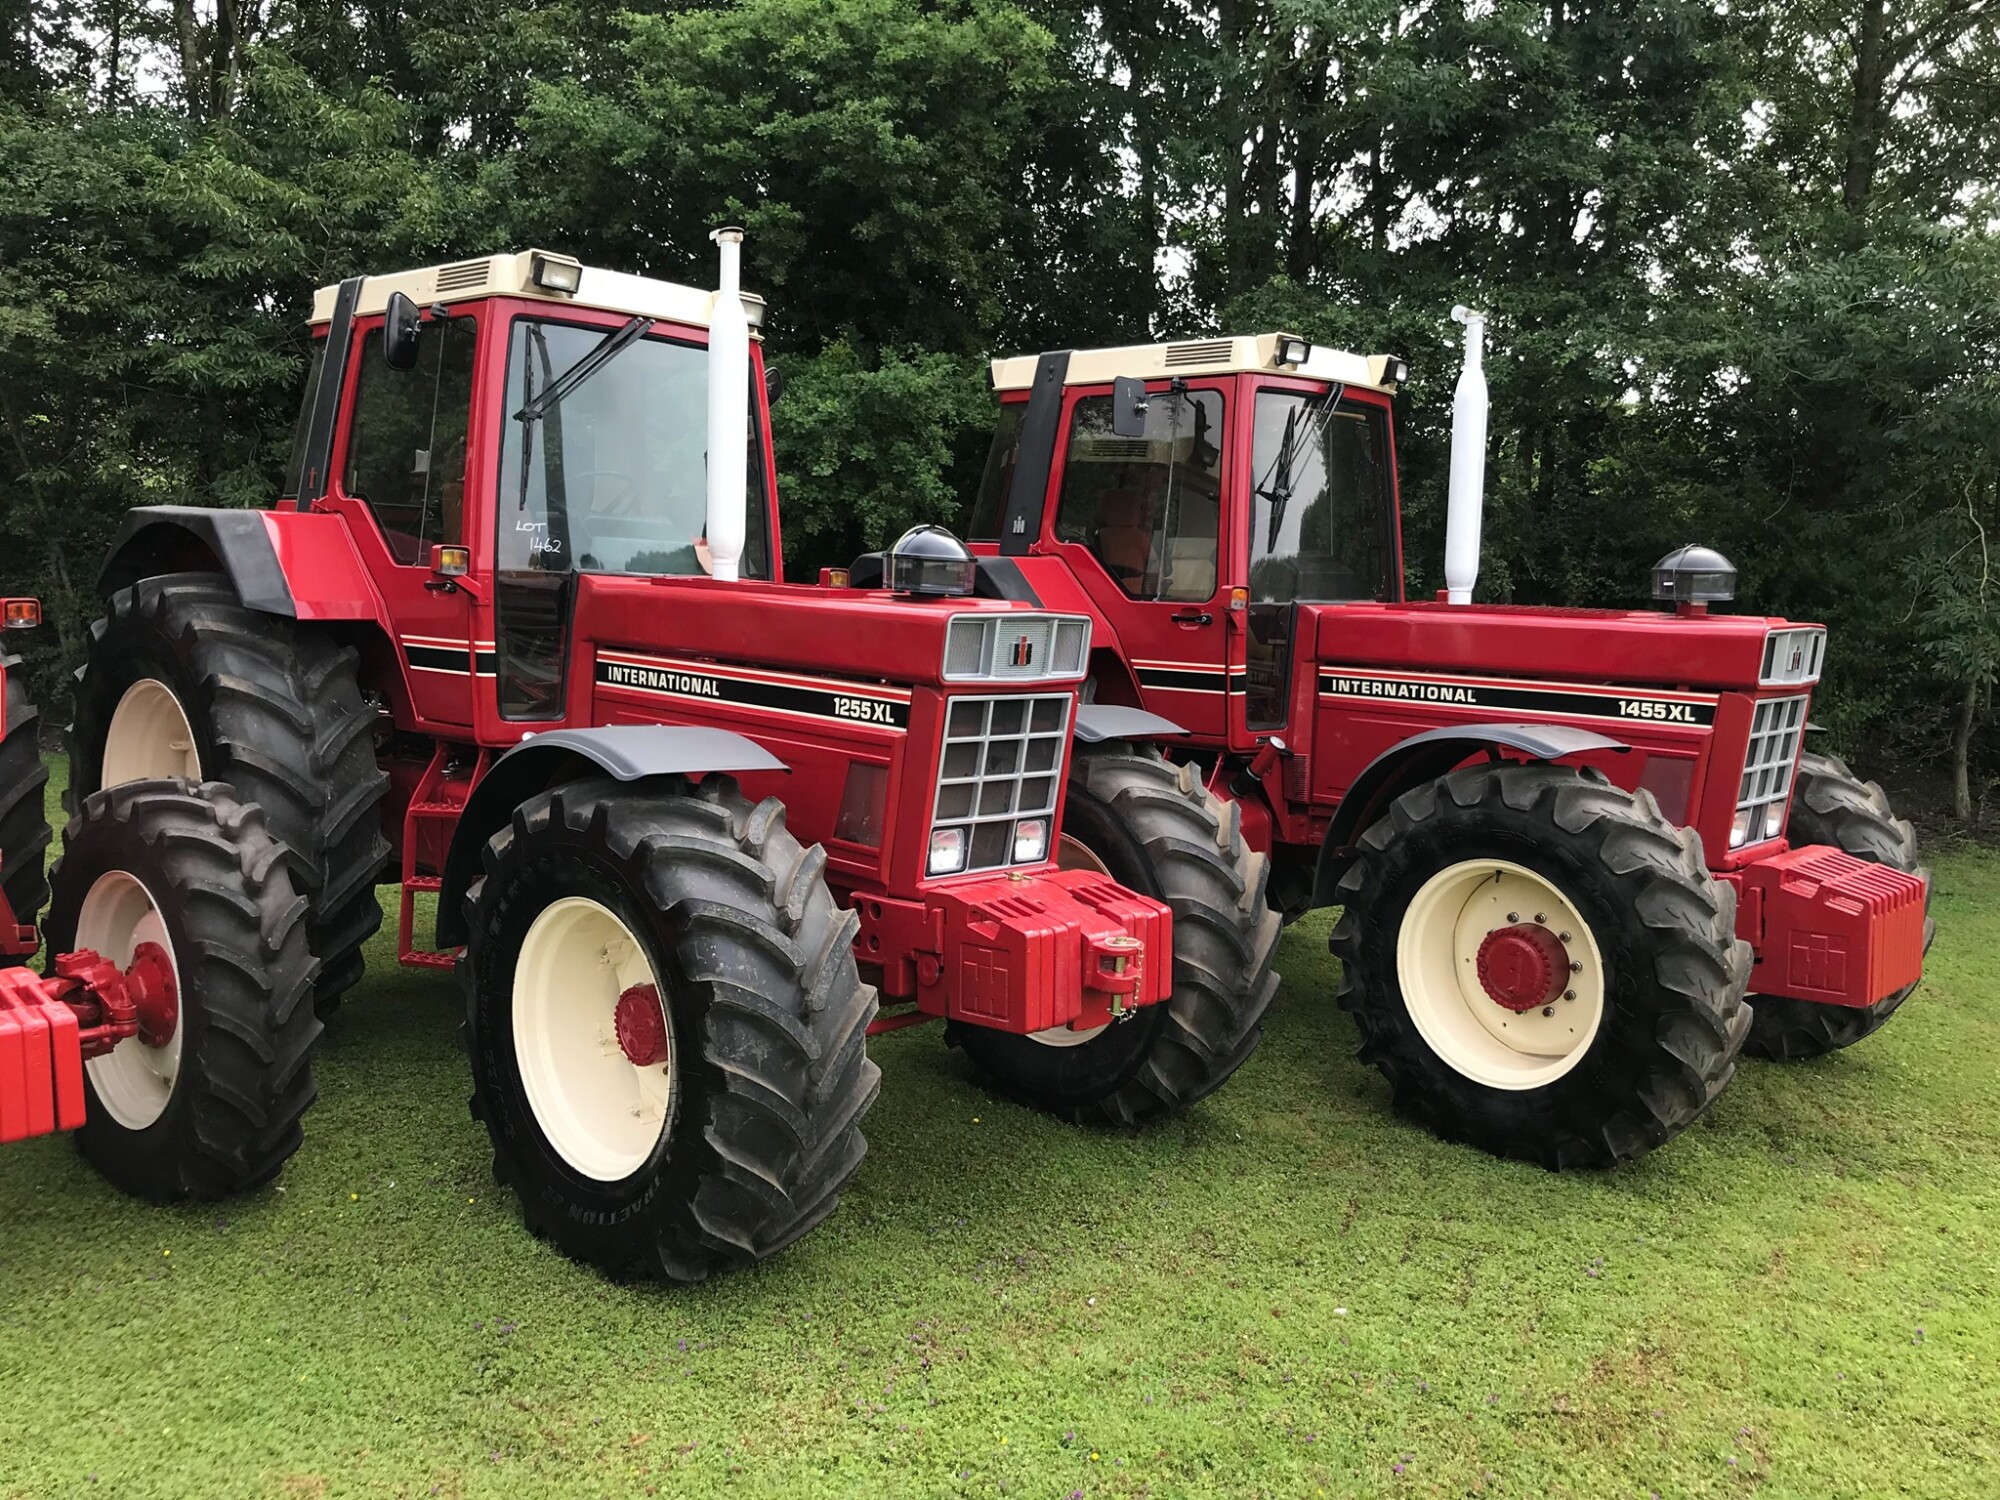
(513, 276)
(1250, 353)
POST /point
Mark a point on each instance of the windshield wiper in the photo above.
(607, 350)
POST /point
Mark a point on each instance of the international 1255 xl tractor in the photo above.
(1567, 843)
(514, 630)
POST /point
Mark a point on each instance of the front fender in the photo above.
(628, 752)
(1425, 757)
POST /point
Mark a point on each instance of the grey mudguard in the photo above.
(628, 752)
(236, 538)
(1097, 722)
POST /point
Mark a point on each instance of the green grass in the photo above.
(1286, 1293)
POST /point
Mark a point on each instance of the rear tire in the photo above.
(274, 709)
(1658, 969)
(1156, 830)
(24, 822)
(221, 1113)
(1833, 806)
(752, 1124)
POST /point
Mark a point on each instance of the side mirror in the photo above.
(774, 384)
(401, 325)
(1128, 407)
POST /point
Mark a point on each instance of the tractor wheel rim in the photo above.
(1479, 1028)
(149, 736)
(134, 1082)
(603, 1114)
(1072, 854)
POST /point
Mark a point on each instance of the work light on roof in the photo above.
(555, 273)
(1293, 350)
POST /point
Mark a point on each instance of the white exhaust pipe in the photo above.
(728, 410)
(1467, 496)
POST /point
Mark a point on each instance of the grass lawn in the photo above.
(1285, 1293)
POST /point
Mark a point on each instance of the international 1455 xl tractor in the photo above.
(514, 630)
(1567, 843)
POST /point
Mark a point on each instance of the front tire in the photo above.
(668, 1032)
(1541, 965)
(214, 1107)
(1155, 829)
(183, 680)
(1831, 805)
(24, 823)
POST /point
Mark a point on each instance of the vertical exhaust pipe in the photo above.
(1467, 495)
(728, 410)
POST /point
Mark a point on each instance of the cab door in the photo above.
(401, 475)
(1139, 520)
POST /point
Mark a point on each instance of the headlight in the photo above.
(947, 851)
(1739, 826)
(1774, 820)
(1031, 841)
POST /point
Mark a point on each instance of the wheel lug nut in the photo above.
(1569, 994)
(1513, 916)
(1548, 1010)
(1562, 937)
(1542, 917)
(1575, 968)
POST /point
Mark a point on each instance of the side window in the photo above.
(990, 509)
(1149, 507)
(406, 445)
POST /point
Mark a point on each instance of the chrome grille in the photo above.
(1002, 762)
(1776, 727)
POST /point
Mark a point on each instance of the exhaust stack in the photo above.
(1467, 495)
(728, 410)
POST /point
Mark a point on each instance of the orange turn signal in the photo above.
(23, 614)
(1239, 598)
(451, 562)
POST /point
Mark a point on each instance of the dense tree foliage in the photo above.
(1741, 258)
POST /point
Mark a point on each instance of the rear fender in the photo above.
(302, 565)
(628, 752)
(1425, 757)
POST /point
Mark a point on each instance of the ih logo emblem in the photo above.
(1798, 659)
(1023, 654)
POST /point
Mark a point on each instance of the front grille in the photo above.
(993, 647)
(1776, 727)
(1792, 657)
(1002, 762)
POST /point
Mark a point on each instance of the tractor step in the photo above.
(427, 958)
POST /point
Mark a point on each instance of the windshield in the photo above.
(613, 477)
(1320, 511)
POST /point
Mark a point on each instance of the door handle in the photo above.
(1192, 617)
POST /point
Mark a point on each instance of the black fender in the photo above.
(1425, 757)
(187, 537)
(629, 752)
(1098, 722)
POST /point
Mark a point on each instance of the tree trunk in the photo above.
(1865, 108)
(1961, 755)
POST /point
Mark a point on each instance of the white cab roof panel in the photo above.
(1241, 354)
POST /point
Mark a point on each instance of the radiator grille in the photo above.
(1015, 647)
(1002, 763)
(1776, 727)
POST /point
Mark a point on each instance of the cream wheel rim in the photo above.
(134, 1082)
(1484, 1038)
(149, 737)
(1072, 854)
(603, 1113)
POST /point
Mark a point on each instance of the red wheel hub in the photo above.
(1523, 967)
(150, 983)
(642, 1026)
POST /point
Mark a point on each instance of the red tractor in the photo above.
(515, 632)
(1567, 842)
